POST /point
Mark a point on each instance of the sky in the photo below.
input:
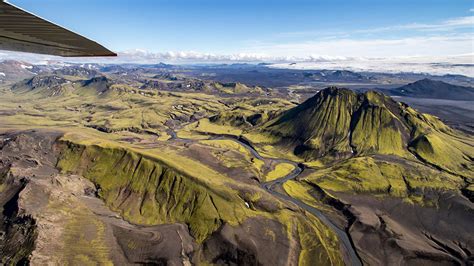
(433, 31)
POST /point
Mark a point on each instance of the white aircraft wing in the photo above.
(24, 32)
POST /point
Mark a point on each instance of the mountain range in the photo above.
(156, 166)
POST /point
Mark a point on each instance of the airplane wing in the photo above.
(24, 32)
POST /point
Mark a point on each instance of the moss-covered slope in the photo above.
(148, 192)
(340, 123)
(319, 125)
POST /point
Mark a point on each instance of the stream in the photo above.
(271, 186)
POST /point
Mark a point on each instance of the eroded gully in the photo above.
(271, 187)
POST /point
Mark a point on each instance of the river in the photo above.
(352, 258)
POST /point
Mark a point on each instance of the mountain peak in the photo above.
(100, 83)
(340, 122)
(333, 90)
(428, 81)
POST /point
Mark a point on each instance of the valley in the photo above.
(184, 165)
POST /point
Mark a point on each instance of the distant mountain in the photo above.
(100, 84)
(77, 71)
(56, 85)
(167, 76)
(427, 88)
(170, 82)
(161, 65)
(336, 76)
(12, 71)
(49, 85)
(344, 75)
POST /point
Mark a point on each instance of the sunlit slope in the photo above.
(147, 191)
(103, 104)
(339, 123)
(151, 187)
(319, 125)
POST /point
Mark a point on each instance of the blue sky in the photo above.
(211, 29)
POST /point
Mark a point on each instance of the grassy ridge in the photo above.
(148, 192)
(378, 176)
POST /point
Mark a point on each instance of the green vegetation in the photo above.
(231, 154)
(450, 154)
(205, 126)
(319, 244)
(302, 190)
(314, 251)
(321, 124)
(437, 144)
(84, 240)
(384, 177)
(147, 191)
(339, 123)
(117, 136)
(376, 129)
(260, 137)
(280, 170)
(99, 104)
(236, 88)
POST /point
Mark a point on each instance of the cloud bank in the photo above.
(455, 65)
(436, 65)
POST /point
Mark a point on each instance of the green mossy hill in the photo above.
(384, 176)
(320, 124)
(249, 113)
(445, 152)
(342, 123)
(146, 191)
(236, 88)
(435, 143)
(241, 118)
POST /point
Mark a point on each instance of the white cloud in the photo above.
(450, 24)
(445, 25)
(410, 46)
(460, 65)
(176, 56)
(196, 57)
